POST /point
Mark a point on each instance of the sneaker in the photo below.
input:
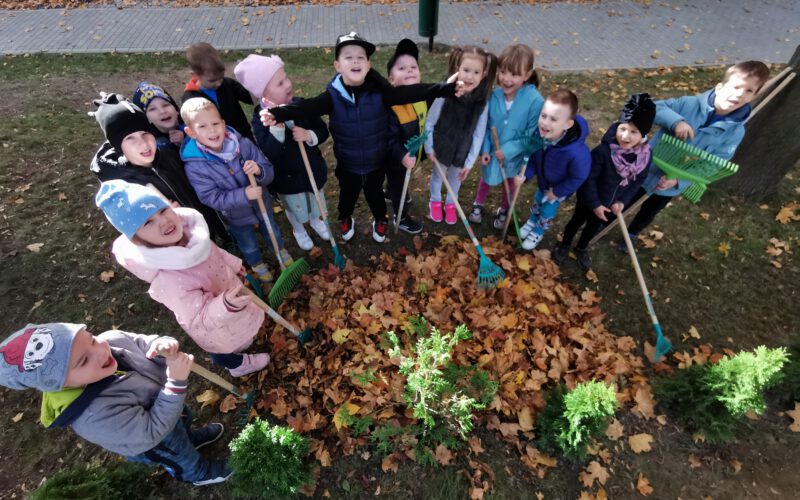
(500, 219)
(530, 241)
(526, 229)
(250, 363)
(218, 472)
(286, 258)
(410, 226)
(264, 274)
(303, 240)
(436, 211)
(348, 228)
(379, 231)
(560, 253)
(584, 259)
(450, 215)
(205, 435)
(320, 228)
(476, 216)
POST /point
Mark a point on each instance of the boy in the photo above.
(218, 161)
(560, 168)
(114, 392)
(712, 121)
(357, 101)
(130, 153)
(208, 80)
(161, 111)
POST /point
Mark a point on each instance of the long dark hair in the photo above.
(489, 63)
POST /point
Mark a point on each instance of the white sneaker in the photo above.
(530, 241)
(303, 240)
(526, 229)
(320, 228)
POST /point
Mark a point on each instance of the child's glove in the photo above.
(166, 347)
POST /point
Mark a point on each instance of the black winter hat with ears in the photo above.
(119, 118)
(639, 110)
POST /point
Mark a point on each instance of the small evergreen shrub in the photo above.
(121, 480)
(572, 419)
(269, 461)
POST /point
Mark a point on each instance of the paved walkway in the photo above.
(611, 34)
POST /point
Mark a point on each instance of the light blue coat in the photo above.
(513, 128)
(720, 138)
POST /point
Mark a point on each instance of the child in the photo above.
(456, 126)
(208, 80)
(405, 122)
(712, 121)
(218, 161)
(619, 166)
(513, 110)
(265, 78)
(190, 275)
(114, 391)
(162, 113)
(560, 168)
(357, 101)
(130, 153)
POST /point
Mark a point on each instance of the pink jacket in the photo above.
(190, 281)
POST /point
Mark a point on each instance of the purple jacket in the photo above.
(220, 184)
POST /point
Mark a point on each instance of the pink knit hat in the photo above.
(254, 72)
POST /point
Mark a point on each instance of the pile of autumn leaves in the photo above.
(530, 333)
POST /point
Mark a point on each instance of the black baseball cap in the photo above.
(405, 47)
(353, 38)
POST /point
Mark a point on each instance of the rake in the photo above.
(414, 147)
(489, 273)
(291, 274)
(303, 336)
(534, 143)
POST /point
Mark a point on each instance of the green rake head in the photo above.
(413, 144)
(489, 273)
(286, 282)
(680, 160)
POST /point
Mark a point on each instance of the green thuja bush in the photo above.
(268, 461)
(711, 399)
(121, 480)
(571, 419)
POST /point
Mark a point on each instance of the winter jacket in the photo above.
(290, 171)
(514, 126)
(563, 166)
(227, 98)
(603, 185)
(220, 184)
(166, 175)
(405, 121)
(130, 413)
(720, 138)
(190, 282)
(475, 138)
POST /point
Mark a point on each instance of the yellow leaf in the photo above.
(694, 333)
(451, 238)
(542, 308)
(339, 419)
(524, 263)
(525, 419)
(724, 248)
(208, 397)
(591, 276)
(788, 213)
(340, 335)
(640, 443)
(643, 485)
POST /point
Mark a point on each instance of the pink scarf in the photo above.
(626, 169)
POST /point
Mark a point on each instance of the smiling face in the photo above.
(139, 148)
(471, 71)
(511, 83)
(162, 115)
(628, 136)
(554, 120)
(90, 360)
(279, 89)
(162, 229)
(207, 127)
(353, 64)
(735, 93)
(405, 71)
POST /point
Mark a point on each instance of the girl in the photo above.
(619, 167)
(266, 79)
(513, 110)
(190, 275)
(456, 126)
(163, 114)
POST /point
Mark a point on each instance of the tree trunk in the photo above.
(771, 146)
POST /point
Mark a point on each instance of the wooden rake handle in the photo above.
(637, 268)
(267, 223)
(272, 313)
(212, 377)
(322, 211)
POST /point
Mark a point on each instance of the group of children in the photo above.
(177, 179)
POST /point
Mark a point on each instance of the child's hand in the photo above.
(600, 212)
(163, 346)
(459, 84)
(251, 167)
(232, 298)
(267, 118)
(519, 180)
(664, 183)
(501, 157)
(176, 137)
(300, 134)
(551, 197)
(617, 208)
(408, 161)
(432, 157)
(462, 175)
(253, 192)
(485, 159)
(684, 131)
(179, 366)
(242, 272)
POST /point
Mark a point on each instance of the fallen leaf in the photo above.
(643, 485)
(475, 445)
(62, 197)
(339, 419)
(615, 430)
(788, 213)
(390, 464)
(16, 418)
(724, 249)
(705, 215)
(594, 472)
(795, 416)
(656, 54)
(525, 419)
(340, 335)
(106, 276)
(737, 466)
(694, 462)
(640, 443)
(228, 404)
(315, 252)
(443, 455)
(524, 263)
(591, 276)
(542, 308)
(207, 397)
(644, 403)
(35, 247)
(449, 239)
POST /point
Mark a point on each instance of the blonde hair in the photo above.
(203, 58)
(193, 107)
(518, 60)
(489, 62)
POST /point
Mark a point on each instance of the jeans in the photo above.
(543, 213)
(245, 237)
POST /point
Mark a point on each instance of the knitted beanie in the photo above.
(128, 206)
(145, 93)
(119, 118)
(254, 72)
(639, 110)
(37, 357)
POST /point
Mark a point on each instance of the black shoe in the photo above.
(206, 435)
(410, 226)
(560, 253)
(584, 259)
(218, 472)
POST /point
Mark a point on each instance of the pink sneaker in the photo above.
(436, 211)
(250, 364)
(450, 215)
